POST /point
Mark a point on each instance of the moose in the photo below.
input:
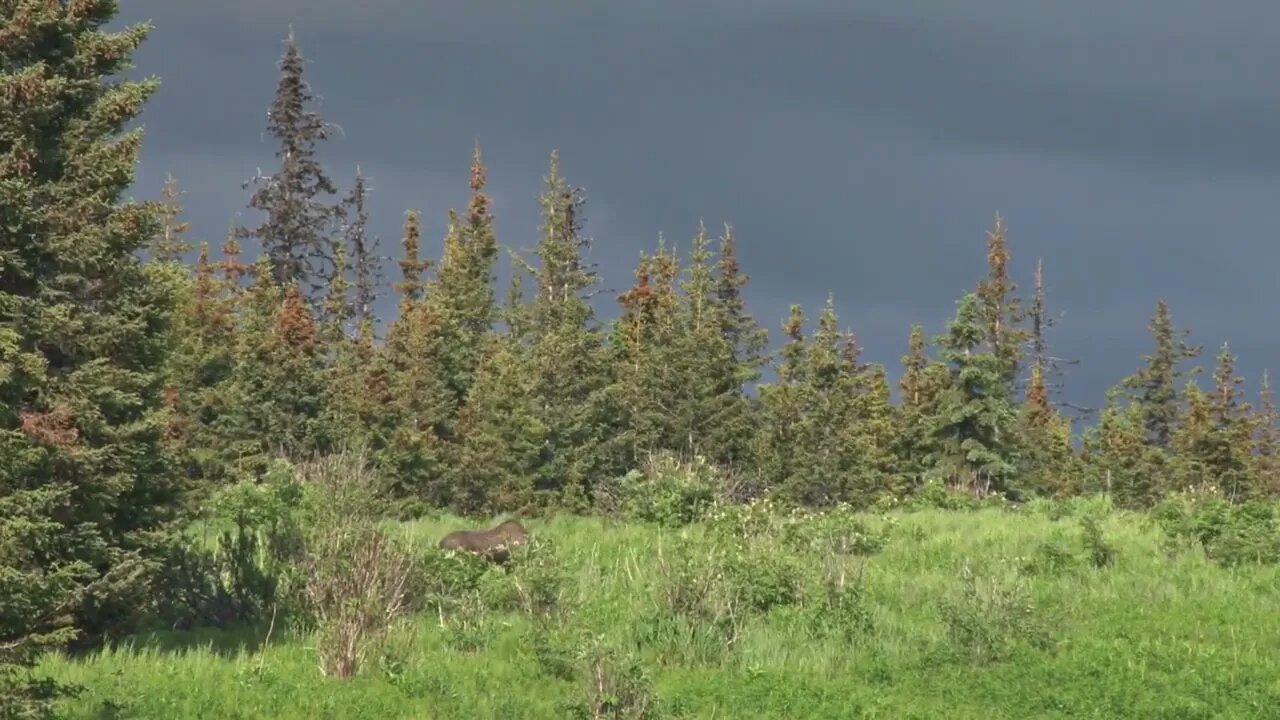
(493, 545)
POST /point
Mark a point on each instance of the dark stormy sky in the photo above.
(861, 148)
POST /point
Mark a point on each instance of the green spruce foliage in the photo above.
(87, 492)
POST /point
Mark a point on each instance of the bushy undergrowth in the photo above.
(1229, 534)
(749, 610)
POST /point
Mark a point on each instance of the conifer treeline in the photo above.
(482, 405)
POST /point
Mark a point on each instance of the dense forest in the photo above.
(143, 373)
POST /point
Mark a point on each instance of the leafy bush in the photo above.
(838, 607)
(554, 647)
(250, 567)
(666, 491)
(1229, 534)
(700, 615)
(934, 494)
(615, 684)
(1101, 552)
(989, 616)
(539, 578)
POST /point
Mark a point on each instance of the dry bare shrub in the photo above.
(359, 585)
(360, 580)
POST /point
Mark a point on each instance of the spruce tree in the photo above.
(778, 444)
(823, 463)
(337, 310)
(567, 352)
(726, 345)
(1232, 429)
(872, 431)
(504, 441)
(748, 339)
(649, 378)
(415, 421)
(362, 249)
(1118, 460)
(1001, 310)
(1048, 366)
(1192, 442)
(1049, 466)
(974, 422)
(1155, 386)
(461, 292)
(1265, 458)
(919, 387)
(86, 489)
(170, 243)
(411, 432)
(412, 266)
(296, 232)
(835, 445)
(278, 394)
(199, 370)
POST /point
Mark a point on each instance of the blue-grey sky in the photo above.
(857, 148)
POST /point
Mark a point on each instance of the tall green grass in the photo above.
(986, 614)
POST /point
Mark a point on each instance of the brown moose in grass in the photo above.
(493, 545)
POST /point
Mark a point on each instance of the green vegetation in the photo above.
(248, 457)
(986, 613)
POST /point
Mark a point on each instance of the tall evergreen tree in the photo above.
(296, 232)
(748, 339)
(717, 354)
(278, 393)
(1117, 458)
(338, 309)
(170, 243)
(1049, 466)
(86, 489)
(1001, 309)
(1265, 458)
(412, 266)
(782, 405)
(199, 369)
(1049, 366)
(648, 375)
(411, 432)
(1155, 386)
(505, 442)
(736, 412)
(1231, 430)
(362, 249)
(567, 350)
(1191, 443)
(461, 292)
(870, 433)
(919, 388)
(415, 420)
(974, 423)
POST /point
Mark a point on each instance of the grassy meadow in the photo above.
(992, 613)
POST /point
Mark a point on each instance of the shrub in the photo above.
(614, 685)
(1101, 552)
(989, 616)
(250, 567)
(700, 614)
(839, 607)
(360, 580)
(1052, 556)
(666, 491)
(540, 579)
(554, 647)
(1229, 534)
